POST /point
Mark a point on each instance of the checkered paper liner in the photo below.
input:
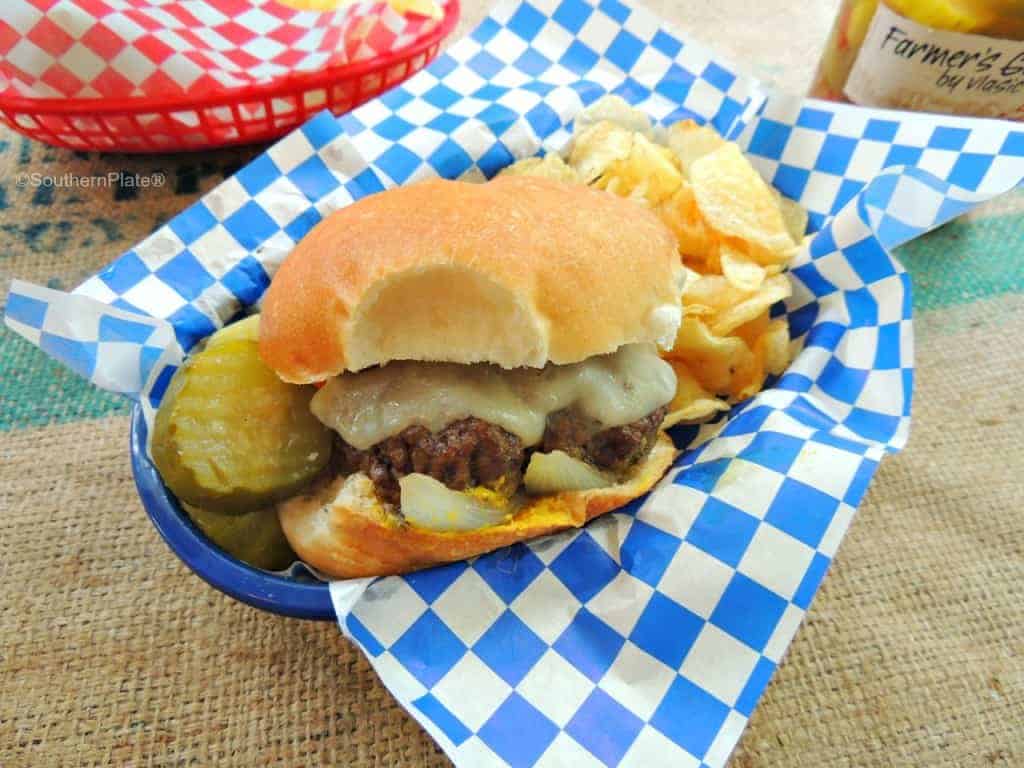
(646, 638)
(164, 48)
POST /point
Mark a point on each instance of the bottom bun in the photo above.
(340, 527)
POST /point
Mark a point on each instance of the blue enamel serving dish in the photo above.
(299, 596)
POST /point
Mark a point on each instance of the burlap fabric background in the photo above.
(112, 653)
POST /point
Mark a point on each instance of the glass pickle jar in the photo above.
(952, 56)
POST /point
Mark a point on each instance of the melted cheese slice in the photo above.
(372, 405)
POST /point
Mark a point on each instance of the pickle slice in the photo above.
(231, 437)
(255, 537)
(246, 329)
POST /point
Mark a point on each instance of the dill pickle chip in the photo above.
(231, 437)
(246, 329)
(255, 538)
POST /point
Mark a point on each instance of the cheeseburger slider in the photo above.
(489, 354)
(438, 371)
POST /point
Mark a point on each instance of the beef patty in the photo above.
(465, 453)
(472, 452)
(615, 449)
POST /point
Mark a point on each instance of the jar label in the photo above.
(905, 65)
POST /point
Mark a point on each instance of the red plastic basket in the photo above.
(238, 116)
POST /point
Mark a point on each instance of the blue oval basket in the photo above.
(283, 595)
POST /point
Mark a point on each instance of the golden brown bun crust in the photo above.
(341, 529)
(519, 271)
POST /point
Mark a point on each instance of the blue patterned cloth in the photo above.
(646, 638)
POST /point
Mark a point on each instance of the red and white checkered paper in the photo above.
(167, 48)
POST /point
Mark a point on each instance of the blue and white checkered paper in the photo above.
(646, 638)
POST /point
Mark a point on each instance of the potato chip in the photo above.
(736, 201)
(707, 263)
(615, 110)
(689, 141)
(794, 216)
(714, 360)
(739, 269)
(648, 172)
(760, 255)
(754, 329)
(690, 276)
(621, 188)
(774, 289)
(769, 341)
(551, 166)
(692, 403)
(712, 291)
(690, 305)
(680, 214)
(688, 388)
(697, 310)
(775, 343)
(597, 147)
(748, 380)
